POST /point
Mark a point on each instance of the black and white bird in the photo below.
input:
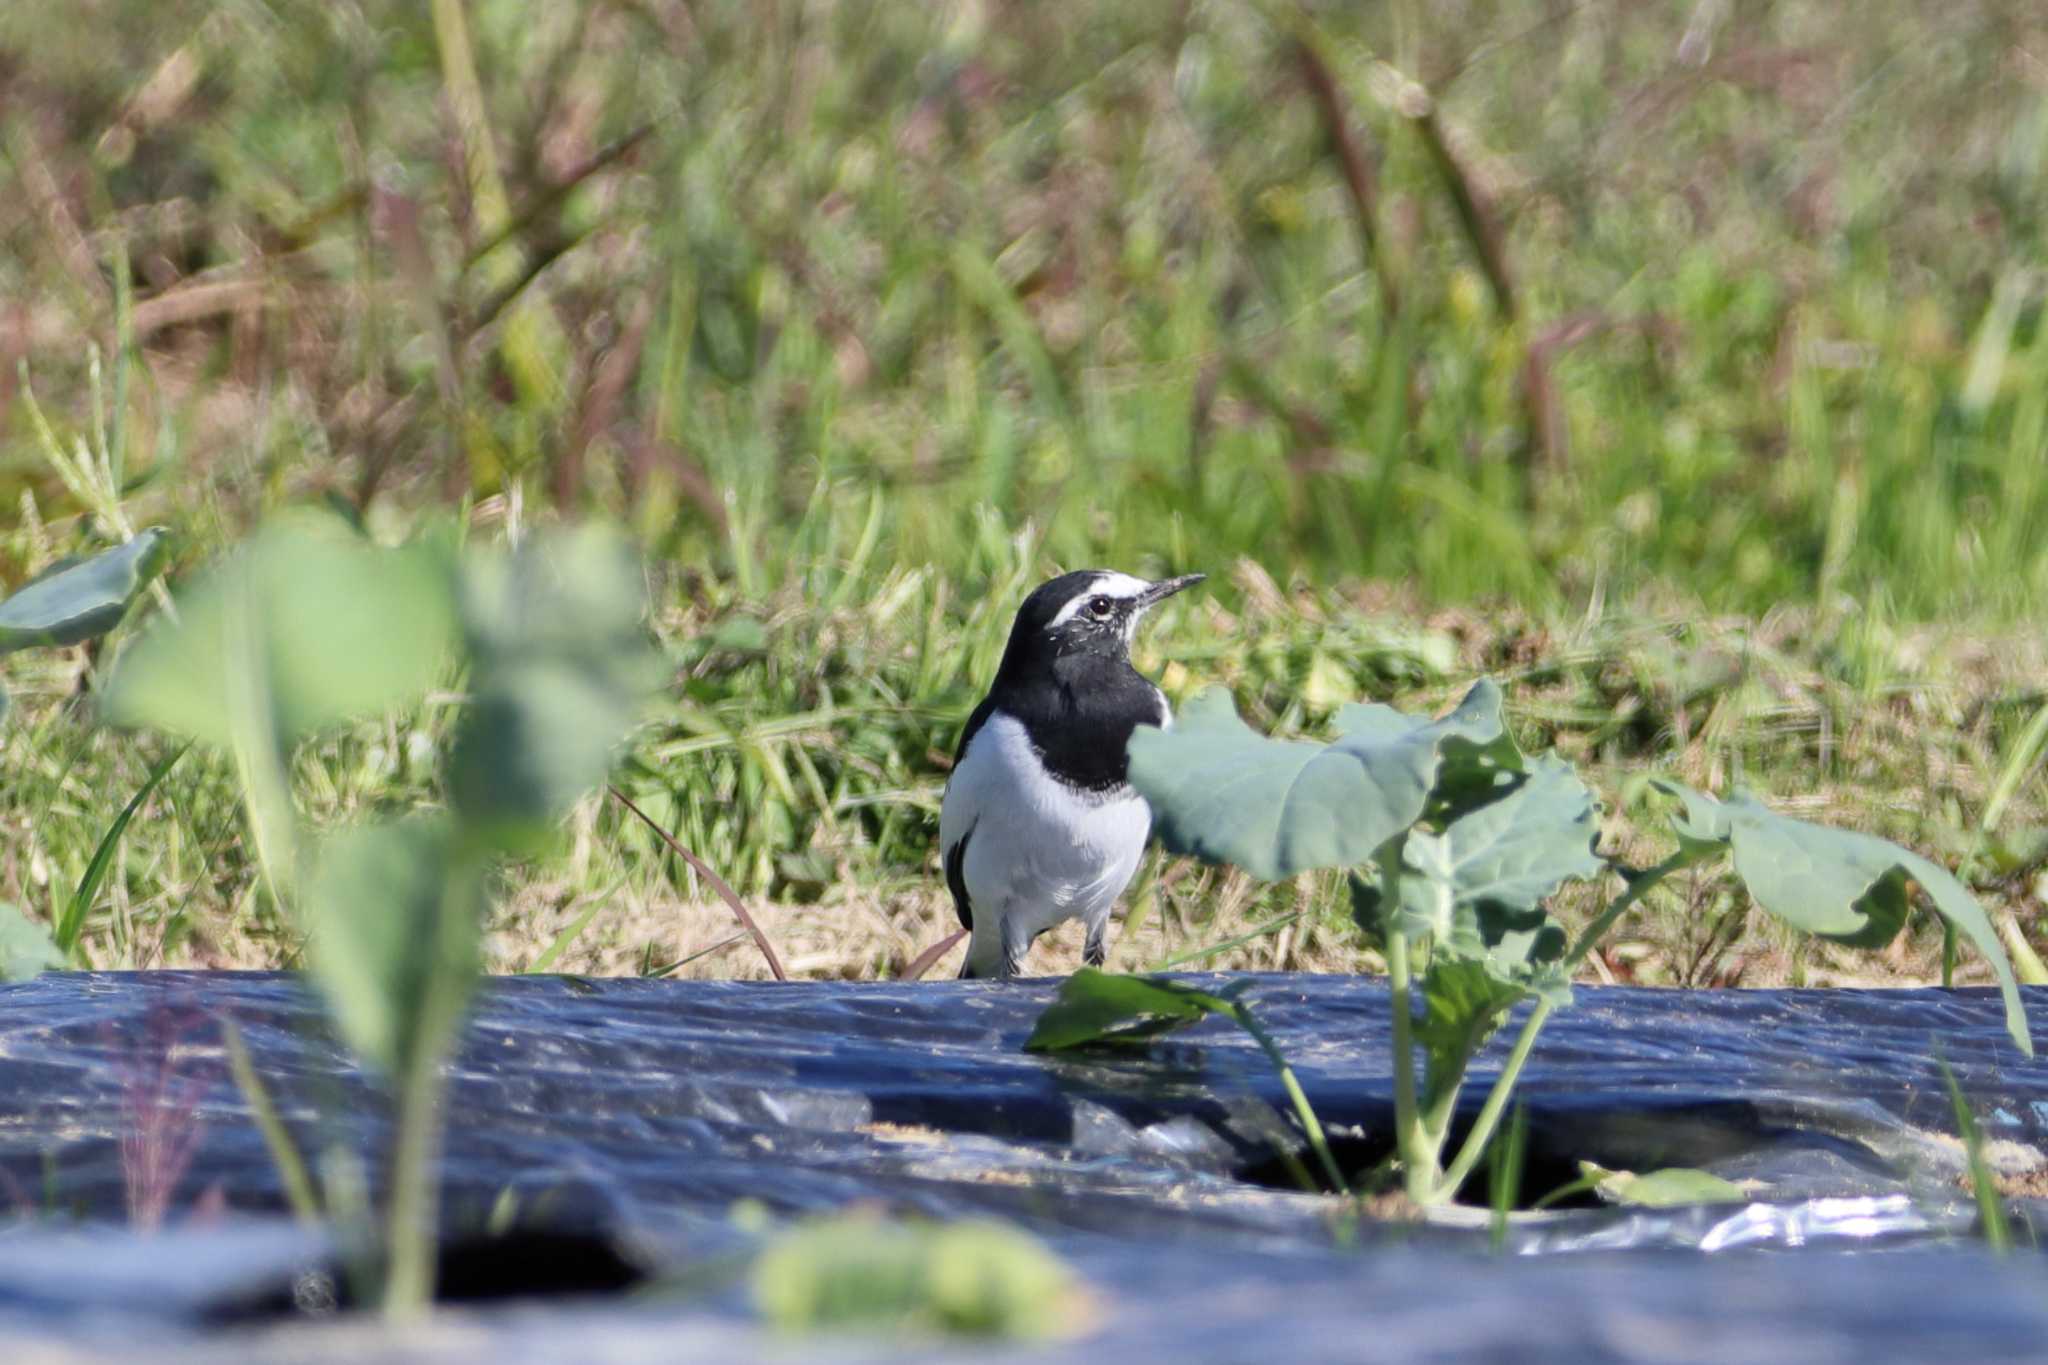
(1039, 825)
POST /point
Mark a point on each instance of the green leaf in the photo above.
(1506, 858)
(334, 627)
(1517, 851)
(395, 914)
(1094, 1007)
(1843, 885)
(1478, 891)
(1702, 829)
(1668, 1188)
(79, 600)
(1462, 1004)
(562, 666)
(1222, 791)
(25, 947)
(977, 1279)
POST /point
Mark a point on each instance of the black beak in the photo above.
(1167, 587)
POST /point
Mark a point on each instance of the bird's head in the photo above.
(1089, 611)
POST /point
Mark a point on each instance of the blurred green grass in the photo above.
(1642, 317)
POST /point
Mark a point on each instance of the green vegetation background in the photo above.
(1680, 362)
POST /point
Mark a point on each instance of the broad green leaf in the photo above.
(1478, 888)
(395, 913)
(562, 665)
(1429, 885)
(1095, 1007)
(1222, 791)
(968, 1279)
(1462, 1004)
(1843, 885)
(335, 628)
(1517, 851)
(1478, 891)
(1668, 1188)
(1465, 999)
(77, 601)
(1505, 858)
(25, 946)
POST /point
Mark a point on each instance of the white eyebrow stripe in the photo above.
(1105, 585)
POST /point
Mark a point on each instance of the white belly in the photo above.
(1040, 852)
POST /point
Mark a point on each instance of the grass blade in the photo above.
(1990, 1206)
(1253, 934)
(566, 937)
(1359, 179)
(654, 973)
(71, 928)
(718, 884)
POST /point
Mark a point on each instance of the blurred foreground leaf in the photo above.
(561, 666)
(1224, 792)
(76, 601)
(1836, 883)
(395, 914)
(25, 947)
(324, 625)
(965, 1279)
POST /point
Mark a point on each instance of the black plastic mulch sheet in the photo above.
(644, 1110)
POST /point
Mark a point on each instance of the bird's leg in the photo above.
(1015, 946)
(1094, 951)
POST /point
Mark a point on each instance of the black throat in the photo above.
(1078, 712)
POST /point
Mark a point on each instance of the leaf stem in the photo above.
(411, 1217)
(1639, 886)
(1454, 1175)
(1302, 1110)
(262, 762)
(292, 1172)
(1418, 1157)
(1496, 1103)
(413, 1213)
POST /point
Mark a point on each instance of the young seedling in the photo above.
(308, 626)
(1456, 840)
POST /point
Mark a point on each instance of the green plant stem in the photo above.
(1496, 1104)
(284, 1153)
(1411, 1140)
(414, 1207)
(1302, 1110)
(1638, 887)
(412, 1217)
(259, 753)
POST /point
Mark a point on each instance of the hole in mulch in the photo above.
(1359, 1157)
(517, 1265)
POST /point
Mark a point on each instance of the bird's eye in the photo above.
(1100, 607)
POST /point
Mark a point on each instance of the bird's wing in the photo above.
(958, 815)
(956, 878)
